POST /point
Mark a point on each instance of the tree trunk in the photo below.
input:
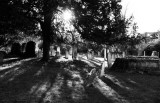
(46, 44)
(46, 34)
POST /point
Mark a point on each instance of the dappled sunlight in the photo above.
(47, 91)
(64, 82)
(15, 69)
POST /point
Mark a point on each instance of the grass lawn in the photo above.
(135, 88)
(34, 81)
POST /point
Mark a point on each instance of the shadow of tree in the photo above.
(34, 81)
(134, 87)
(22, 79)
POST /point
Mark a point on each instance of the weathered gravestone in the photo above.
(90, 54)
(58, 52)
(16, 49)
(30, 49)
(103, 67)
(99, 53)
(52, 51)
(67, 52)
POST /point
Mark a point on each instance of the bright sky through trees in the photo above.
(145, 12)
(67, 15)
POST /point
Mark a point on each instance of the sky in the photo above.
(146, 13)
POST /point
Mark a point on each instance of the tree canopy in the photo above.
(99, 21)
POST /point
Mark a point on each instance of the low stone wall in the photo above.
(143, 64)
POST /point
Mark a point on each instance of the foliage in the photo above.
(14, 26)
(100, 21)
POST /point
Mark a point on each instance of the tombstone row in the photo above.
(24, 50)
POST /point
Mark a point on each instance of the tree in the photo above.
(37, 11)
(100, 21)
(12, 25)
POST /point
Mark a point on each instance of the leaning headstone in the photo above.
(90, 77)
(16, 49)
(30, 49)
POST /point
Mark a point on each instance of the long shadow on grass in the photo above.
(93, 95)
(133, 84)
(20, 80)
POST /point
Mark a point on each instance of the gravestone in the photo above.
(39, 53)
(52, 51)
(58, 52)
(89, 54)
(66, 54)
(109, 59)
(103, 67)
(99, 53)
(30, 49)
(16, 49)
